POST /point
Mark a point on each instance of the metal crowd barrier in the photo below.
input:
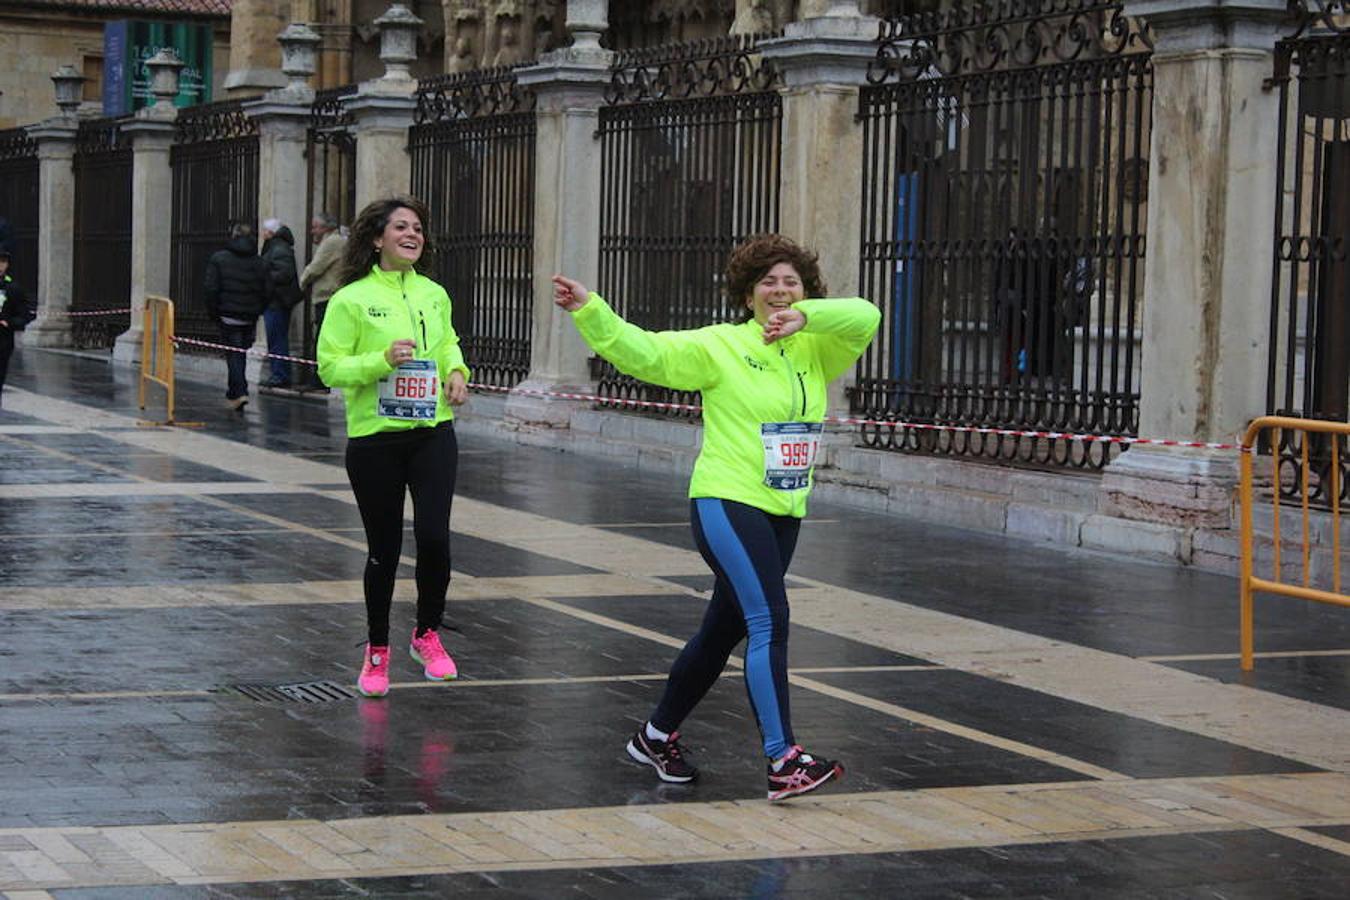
(157, 350)
(1251, 583)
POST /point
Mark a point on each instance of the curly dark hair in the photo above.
(752, 260)
(360, 253)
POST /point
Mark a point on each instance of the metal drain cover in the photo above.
(304, 692)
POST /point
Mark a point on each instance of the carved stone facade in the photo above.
(481, 34)
(459, 35)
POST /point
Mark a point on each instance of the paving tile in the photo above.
(1213, 865)
(1111, 740)
(1317, 679)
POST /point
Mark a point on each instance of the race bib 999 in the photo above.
(790, 450)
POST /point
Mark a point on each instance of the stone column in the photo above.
(824, 62)
(56, 232)
(569, 85)
(283, 121)
(151, 136)
(1206, 312)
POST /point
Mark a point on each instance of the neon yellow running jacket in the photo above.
(745, 383)
(362, 320)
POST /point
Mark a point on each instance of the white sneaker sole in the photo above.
(836, 772)
(639, 756)
(417, 657)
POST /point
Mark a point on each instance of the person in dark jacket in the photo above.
(279, 251)
(15, 312)
(238, 288)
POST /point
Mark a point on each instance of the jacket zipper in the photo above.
(412, 320)
(793, 373)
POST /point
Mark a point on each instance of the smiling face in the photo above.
(400, 244)
(779, 288)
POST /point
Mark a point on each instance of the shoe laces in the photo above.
(430, 644)
(673, 748)
(378, 657)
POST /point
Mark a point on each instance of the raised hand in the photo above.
(569, 294)
(782, 323)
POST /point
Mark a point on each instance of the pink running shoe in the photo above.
(428, 651)
(374, 680)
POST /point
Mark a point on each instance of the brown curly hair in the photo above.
(753, 259)
(360, 253)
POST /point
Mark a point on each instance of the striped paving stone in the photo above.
(48, 859)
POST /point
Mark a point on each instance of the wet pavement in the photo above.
(182, 617)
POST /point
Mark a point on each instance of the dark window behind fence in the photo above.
(473, 164)
(19, 204)
(330, 156)
(1004, 178)
(691, 152)
(102, 260)
(215, 182)
(1309, 369)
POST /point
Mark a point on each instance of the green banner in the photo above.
(127, 44)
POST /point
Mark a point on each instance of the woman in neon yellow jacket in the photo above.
(388, 343)
(763, 382)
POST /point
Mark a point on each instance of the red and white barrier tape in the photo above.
(247, 352)
(76, 313)
(830, 420)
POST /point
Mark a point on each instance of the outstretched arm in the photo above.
(673, 359)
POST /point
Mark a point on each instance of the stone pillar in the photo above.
(56, 232)
(151, 136)
(382, 120)
(824, 62)
(383, 111)
(283, 121)
(569, 85)
(1206, 311)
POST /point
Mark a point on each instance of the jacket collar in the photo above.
(395, 279)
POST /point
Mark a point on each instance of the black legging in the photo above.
(380, 467)
(749, 552)
(6, 351)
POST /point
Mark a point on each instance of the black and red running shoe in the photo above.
(801, 773)
(666, 757)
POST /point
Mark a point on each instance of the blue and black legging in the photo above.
(749, 551)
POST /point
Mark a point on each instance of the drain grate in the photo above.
(305, 692)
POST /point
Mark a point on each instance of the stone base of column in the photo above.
(525, 406)
(49, 333)
(1171, 486)
(127, 347)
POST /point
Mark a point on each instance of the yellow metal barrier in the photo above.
(157, 351)
(1276, 585)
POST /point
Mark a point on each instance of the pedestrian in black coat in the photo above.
(16, 311)
(238, 288)
(279, 252)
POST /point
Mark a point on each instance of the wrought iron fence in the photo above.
(215, 183)
(1309, 362)
(473, 163)
(330, 156)
(690, 155)
(102, 258)
(1004, 182)
(19, 203)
